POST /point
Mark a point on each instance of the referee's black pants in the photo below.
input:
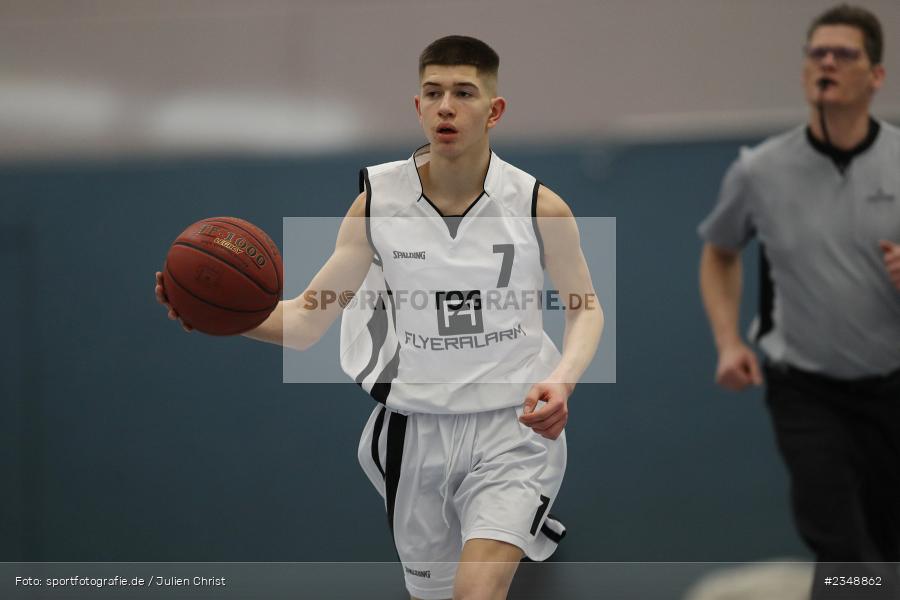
(840, 440)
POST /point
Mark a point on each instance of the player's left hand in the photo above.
(550, 418)
(891, 255)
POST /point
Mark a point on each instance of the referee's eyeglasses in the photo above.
(841, 54)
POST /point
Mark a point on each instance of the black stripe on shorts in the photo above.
(376, 436)
(396, 437)
(545, 502)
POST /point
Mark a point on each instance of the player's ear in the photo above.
(877, 77)
(498, 107)
(416, 101)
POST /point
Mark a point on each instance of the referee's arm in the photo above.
(721, 279)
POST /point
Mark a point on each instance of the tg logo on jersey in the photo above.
(459, 312)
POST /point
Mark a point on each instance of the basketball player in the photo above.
(466, 443)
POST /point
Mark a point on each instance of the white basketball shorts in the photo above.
(449, 478)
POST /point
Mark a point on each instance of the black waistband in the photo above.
(871, 382)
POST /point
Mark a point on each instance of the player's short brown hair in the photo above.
(460, 50)
(854, 16)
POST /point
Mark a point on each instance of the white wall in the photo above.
(136, 77)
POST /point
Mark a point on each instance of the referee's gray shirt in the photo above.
(835, 309)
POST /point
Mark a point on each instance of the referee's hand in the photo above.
(891, 255)
(737, 368)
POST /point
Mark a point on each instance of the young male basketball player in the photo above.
(466, 444)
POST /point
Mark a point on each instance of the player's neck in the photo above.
(847, 128)
(452, 184)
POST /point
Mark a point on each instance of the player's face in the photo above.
(837, 53)
(457, 108)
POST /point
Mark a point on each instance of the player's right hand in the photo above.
(738, 367)
(162, 299)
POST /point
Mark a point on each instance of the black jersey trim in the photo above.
(377, 325)
(395, 441)
(366, 186)
(452, 222)
(534, 221)
(381, 389)
(377, 328)
(766, 295)
(376, 437)
(843, 158)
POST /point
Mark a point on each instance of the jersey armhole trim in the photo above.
(534, 221)
(366, 186)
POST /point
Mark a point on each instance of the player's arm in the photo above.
(721, 279)
(300, 322)
(569, 273)
(567, 268)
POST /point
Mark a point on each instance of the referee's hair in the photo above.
(460, 50)
(854, 16)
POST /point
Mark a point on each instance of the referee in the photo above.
(823, 200)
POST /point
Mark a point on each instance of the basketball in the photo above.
(223, 276)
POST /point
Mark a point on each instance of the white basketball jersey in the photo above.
(449, 318)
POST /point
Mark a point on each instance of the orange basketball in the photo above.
(223, 276)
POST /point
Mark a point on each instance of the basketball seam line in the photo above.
(266, 250)
(237, 270)
(205, 301)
